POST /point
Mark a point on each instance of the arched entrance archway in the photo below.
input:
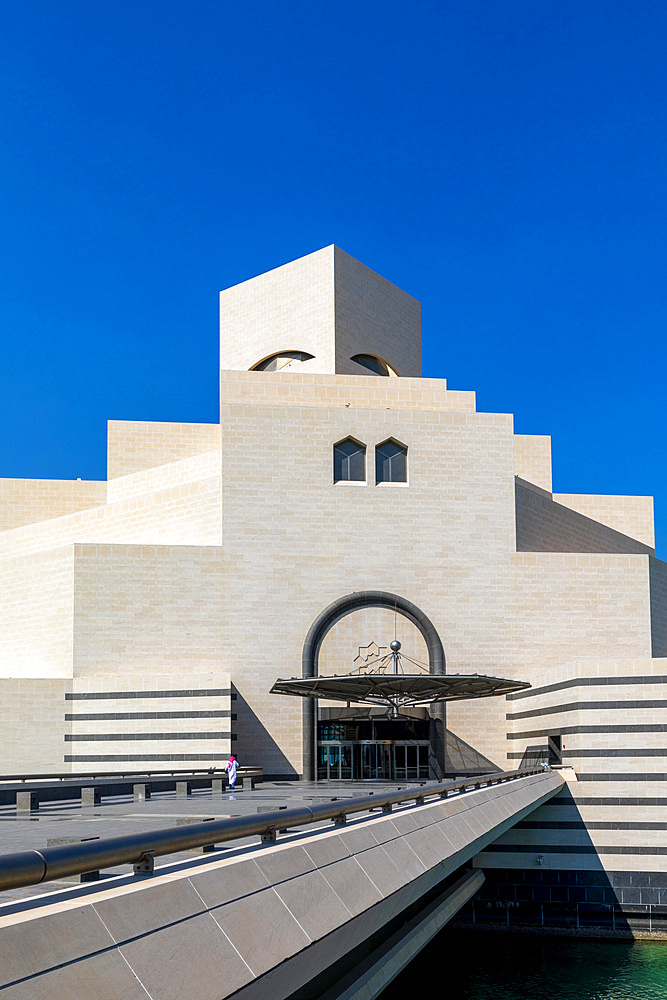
(313, 643)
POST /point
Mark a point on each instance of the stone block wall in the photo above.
(24, 501)
(611, 719)
(372, 316)
(570, 606)
(107, 723)
(147, 610)
(290, 308)
(134, 445)
(532, 459)
(214, 547)
(340, 649)
(545, 526)
(36, 624)
(148, 721)
(184, 472)
(603, 903)
(32, 724)
(185, 512)
(362, 391)
(631, 516)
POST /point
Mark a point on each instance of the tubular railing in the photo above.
(33, 867)
(32, 789)
(99, 775)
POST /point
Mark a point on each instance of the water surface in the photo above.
(482, 965)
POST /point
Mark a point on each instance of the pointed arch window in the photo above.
(349, 460)
(391, 462)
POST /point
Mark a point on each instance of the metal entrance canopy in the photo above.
(398, 690)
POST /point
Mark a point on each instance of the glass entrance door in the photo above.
(372, 760)
(346, 760)
(376, 761)
(368, 758)
(335, 761)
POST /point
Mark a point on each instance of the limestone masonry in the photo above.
(144, 619)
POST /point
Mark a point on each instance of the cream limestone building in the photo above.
(145, 619)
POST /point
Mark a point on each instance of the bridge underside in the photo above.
(267, 921)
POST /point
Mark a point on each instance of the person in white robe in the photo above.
(230, 767)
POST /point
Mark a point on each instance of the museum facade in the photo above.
(146, 618)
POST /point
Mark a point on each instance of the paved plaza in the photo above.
(120, 815)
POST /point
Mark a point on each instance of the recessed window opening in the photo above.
(391, 462)
(349, 461)
(376, 366)
(555, 749)
(285, 359)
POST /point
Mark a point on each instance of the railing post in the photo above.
(90, 796)
(27, 801)
(142, 791)
(183, 789)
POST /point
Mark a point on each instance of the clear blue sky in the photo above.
(502, 162)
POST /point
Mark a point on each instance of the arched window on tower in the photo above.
(391, 462)
(286, 359)
(373, 364)
(349, 461)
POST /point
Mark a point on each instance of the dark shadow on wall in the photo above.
(533, 757)
(462, 760)
(254, 745)
(544, 525)
(538, 891)
(658, 595)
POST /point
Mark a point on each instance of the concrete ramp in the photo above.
(264, 921)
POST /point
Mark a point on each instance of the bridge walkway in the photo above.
(304, 914)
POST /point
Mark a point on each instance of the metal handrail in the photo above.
(97, 775)
(33, 867)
